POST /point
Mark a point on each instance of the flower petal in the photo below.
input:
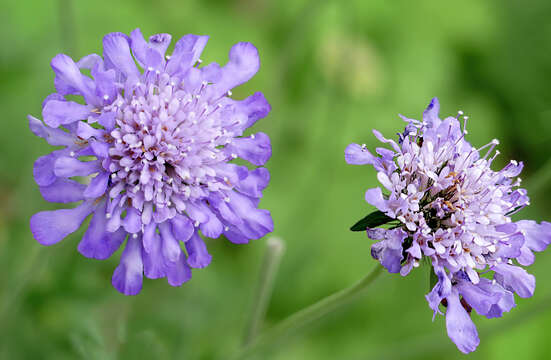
(63, 191)
(58, 113)
(66, 166)
(478, 296)
(242, 66)
(160, 42)
(182, 228)
(256, 222)
(506, 298)
(146, 56)
(70, 80)
(197, 252)
(461, 328)
(515, 279)
(116, 52)
(186, 53)
(98, 242)
(375, 197)
(178, 272)
(254, 183)
(430, 115)
(255, 107)
(128, 276)
(97, 186)
(170, 247)
(54, 137)
(150, 236)
(355, 154)
(389, 251)
(537, 236)
(213, 227)
(132, 222)
(43, 169)
(154, 266)
(256, 149)
(50, 227)
(441, 290)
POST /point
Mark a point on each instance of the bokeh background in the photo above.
(332, 70)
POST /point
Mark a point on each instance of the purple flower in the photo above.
(442, 201)
(155, 150)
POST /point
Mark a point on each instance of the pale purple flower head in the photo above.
(441, 201)
(152, 150)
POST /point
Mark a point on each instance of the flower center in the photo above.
(168, 139)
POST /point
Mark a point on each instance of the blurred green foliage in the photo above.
(332, 70)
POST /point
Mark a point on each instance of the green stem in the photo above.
(307, 315)
(67, 26)
(540, 179)
(274, 251)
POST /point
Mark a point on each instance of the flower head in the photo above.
(441, 201)
(154, 148)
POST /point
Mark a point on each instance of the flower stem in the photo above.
(272, 258)
(67, 26)
(309, 314)
(540, 179)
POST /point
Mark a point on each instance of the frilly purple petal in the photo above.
(461, 328)
(128, 276)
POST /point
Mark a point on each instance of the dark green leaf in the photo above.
(376, 218)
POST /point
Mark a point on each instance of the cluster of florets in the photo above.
(443, 202)
(154, 149)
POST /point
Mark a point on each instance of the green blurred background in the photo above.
(332, 70)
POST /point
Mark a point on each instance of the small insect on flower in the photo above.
(156, 146)
(441, 201)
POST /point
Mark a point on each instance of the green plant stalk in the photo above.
(540, 179)
(272, 258)
(67, 26)
(309, 314)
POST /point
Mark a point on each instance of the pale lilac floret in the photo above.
(443, 202)
(154, 139)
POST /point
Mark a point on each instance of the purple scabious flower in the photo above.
(441, 201)
(154, 151)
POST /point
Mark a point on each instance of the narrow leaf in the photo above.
(376, 218)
